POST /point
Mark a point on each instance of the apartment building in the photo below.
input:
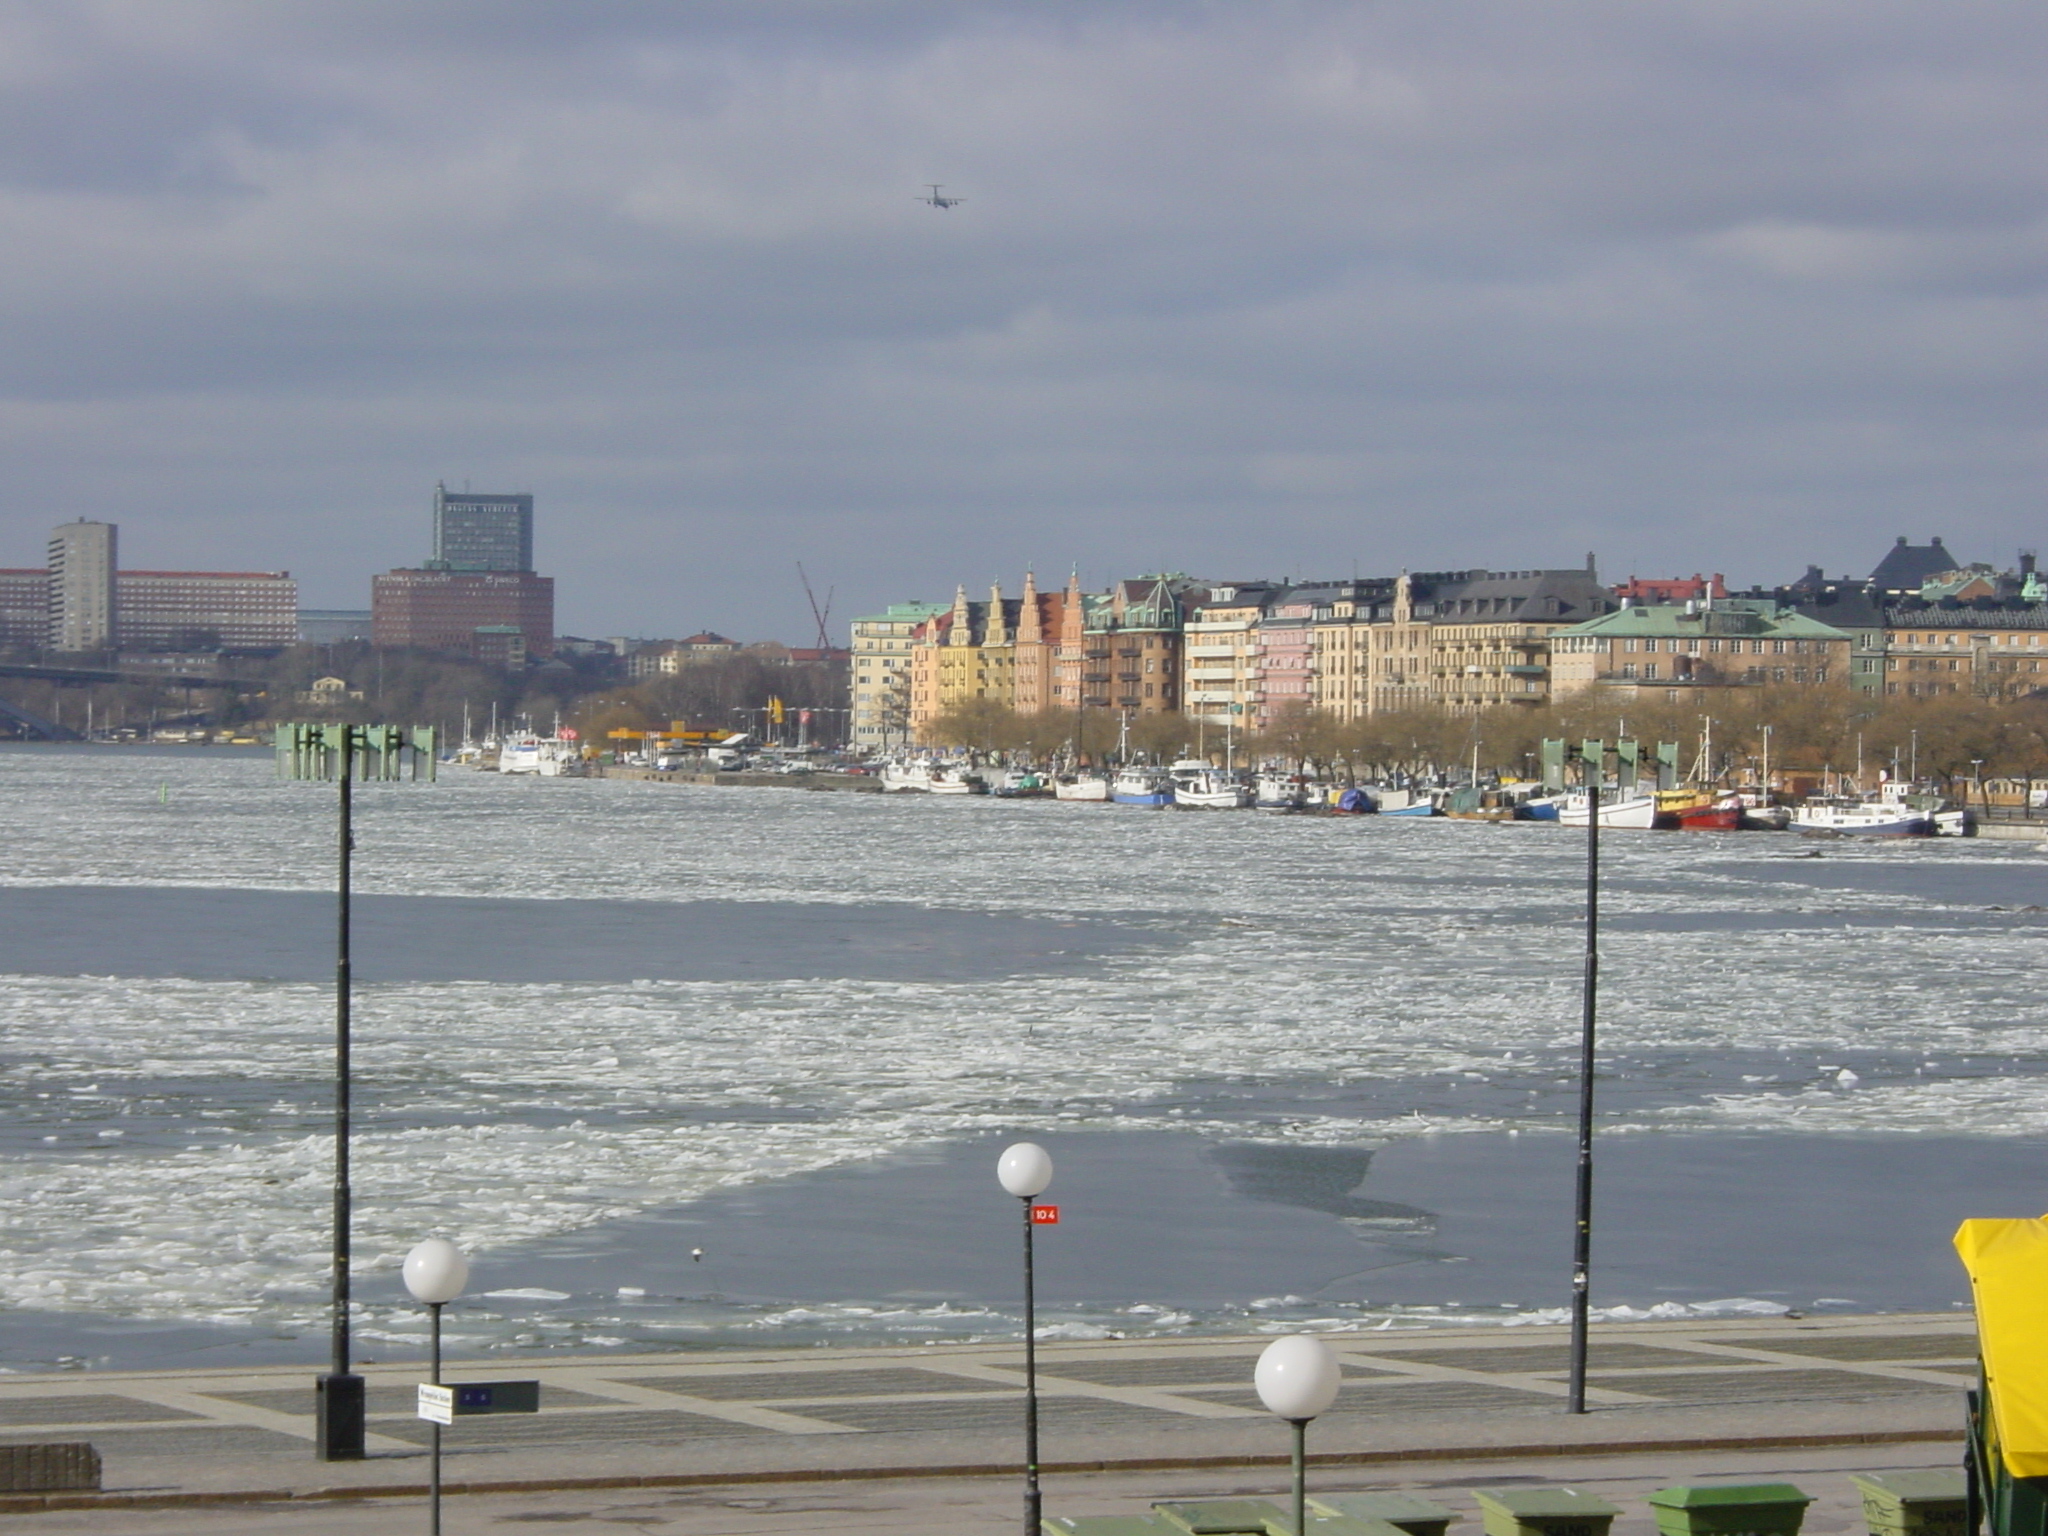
(882, 646)
(1672, 652)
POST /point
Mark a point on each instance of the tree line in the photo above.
(1950, 737)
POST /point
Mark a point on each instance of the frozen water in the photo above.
(1299, 981)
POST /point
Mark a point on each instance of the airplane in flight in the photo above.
(941, 202)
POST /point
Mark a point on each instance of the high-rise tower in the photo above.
(475, 532)
(82, 560)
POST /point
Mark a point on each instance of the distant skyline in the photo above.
(1272, 288)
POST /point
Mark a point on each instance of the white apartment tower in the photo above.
(82, 560)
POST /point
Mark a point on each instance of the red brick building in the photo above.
(445, 610)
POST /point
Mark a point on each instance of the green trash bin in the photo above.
(1915, 1503)
(1104, 1525)
(1730, 1509)
(1542, 1512)
(1410, 1511)
(1219, 1517)
(1332, 1525)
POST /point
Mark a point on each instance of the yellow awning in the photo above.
(2007, 1258)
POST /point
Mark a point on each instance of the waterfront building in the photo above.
(1341, 639)
(25, 608)
(440, 610)
(1285, 652)
(1987, 648)
(478, 532)
(1489, 631)
(882, 645)
(665, 658)
(82, 614)
(1906, 568)
(1222, 636)
(207, 610)
(1143, 626)
(1040, 618)
(1672, 651)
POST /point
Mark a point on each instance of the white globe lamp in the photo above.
(436, 1272)
(1297, 1378)
(1025, 1169)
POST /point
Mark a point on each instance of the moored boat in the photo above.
(1281, 792)
(1700, 810)
(952, 779)
(1848, 817)
(1086, 785)
(1138, 785)
(910, 777)
(1198, 787)
(1635, 812)
(1019, 784)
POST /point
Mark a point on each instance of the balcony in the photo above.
(1096, 653)
(1212, 650)
(1094, 677)
(1129, 677)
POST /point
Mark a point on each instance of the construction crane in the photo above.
(822, 615)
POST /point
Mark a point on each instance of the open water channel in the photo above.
(1293, 1070)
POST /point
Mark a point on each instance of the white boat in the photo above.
(548, 756)
(1081, 786)
(1281, 792)
(1617, 810)
(1861, 818)
(1142, 786)
(952, 779)
(911, 777)
(1198, 787)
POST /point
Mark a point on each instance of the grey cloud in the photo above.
(1265, 286)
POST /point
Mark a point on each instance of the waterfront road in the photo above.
(925, 1440)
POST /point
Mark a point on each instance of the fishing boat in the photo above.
(1198, 787)
(1087, 785)
(549, 757)
(953, 779)
(1847, 816)
(1632, 811)
(913, 777)
(1407, 802)
(1138, 785)
(1354, 801)
(1699, 810)
(1543, 807)
(1281, 792)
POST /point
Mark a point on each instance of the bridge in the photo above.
(33, 724)
(85, 677)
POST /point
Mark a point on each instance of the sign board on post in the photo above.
(1045, 1215)
(451, 1400)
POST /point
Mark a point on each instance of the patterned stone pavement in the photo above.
(1128, 1401)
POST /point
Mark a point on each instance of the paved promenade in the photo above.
(926, 1439)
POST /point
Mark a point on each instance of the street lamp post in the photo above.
(343, 753)
(1297, 1378)
(1025, 1170)
(435, 1273)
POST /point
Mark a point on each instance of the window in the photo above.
(1649, 671)
(1628, 668)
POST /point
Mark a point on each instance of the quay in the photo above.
(914, 1439)
(858, 783)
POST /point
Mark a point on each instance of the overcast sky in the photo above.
(1241, 288)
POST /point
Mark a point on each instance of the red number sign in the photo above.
(1045, 1215)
